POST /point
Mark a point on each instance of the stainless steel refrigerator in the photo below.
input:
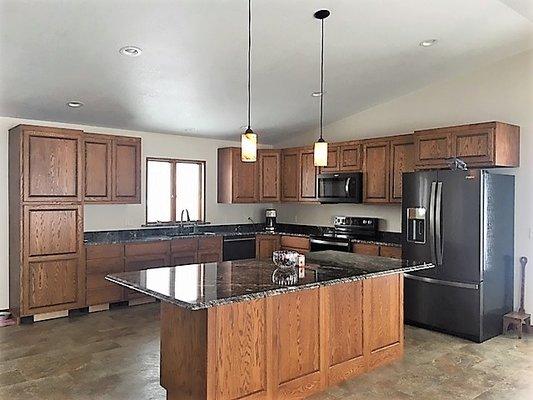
(463, 222)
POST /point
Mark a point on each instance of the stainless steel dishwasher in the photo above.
(238, 247)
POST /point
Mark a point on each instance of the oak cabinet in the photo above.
(307, 175)
(333, 159)
(402, 159)
(491, 144)
(290, 180)
(237, 180)
(350, 157)
(98, 168)
(265, 245)
(126, 170)
(370, 249)
(51, 165)
(102, 260)
(269, 175)
(209, 249)
(376, 169)
(295, 243)
(390, 251)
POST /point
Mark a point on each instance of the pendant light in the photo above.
(249, 138)
(321, 146)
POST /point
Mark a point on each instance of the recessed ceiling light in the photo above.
(428, 43)
(130, 51)
(75, 104)
(316, 94)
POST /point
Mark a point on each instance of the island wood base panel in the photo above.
(287, 346)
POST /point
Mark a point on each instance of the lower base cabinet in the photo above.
(288, 346)
(265, 245)
(377, 250)
(101, 261)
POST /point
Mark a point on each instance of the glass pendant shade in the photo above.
(321, 153)
(249, 146)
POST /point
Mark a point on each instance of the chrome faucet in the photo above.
(186, 211)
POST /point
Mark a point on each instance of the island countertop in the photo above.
(200, 286)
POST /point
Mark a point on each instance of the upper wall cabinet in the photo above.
(343, 157)
(491, 144)
(49, 160)
(402, 159)
(237, 180)
(112, 169)
(290, 180)
(126, 170)
(376, 167)
(269, 175)
(308, 173)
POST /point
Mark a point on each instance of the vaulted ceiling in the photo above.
(191, 76)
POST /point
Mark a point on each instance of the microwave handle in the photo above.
(347, 186)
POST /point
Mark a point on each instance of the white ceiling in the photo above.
(191, 78)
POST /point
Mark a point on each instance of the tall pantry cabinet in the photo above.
(46, 262)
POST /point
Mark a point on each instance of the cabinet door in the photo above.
(402, 160)
(208, 256)
(53, 270)
(244, 178)
(52, 168)
(98, 160)
(269, 175)
(126, 170)
(210, 249)
(366, 248)
(376, 172)
(432, 148)
(295, 243)
(474, 146)
(290, 180)
(333, 159)
(265, 246)
(350, 157)
(307, 175)
(183, 258)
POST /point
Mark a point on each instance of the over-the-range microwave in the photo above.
(340, 187)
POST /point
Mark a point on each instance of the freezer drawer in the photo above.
(452, 308)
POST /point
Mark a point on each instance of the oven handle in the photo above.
(319, 241)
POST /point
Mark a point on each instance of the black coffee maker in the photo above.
(270, 219)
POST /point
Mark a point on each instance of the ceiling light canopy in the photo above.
(75, 104)
(428, 42)
(321, 146)
(130, 51)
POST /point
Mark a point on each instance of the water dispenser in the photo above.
(416, 225)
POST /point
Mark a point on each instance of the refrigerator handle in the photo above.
(438, 224)
(432, 222)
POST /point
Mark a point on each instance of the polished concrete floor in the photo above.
(115, 355)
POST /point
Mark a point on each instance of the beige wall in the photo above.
(502, 91)
(103, 217)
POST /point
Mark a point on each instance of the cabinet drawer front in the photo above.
(350, 157)
(367, 249)
(141, 249)
(184, 245)
(474, 145)
(53, 283)
(390, 251)
(105, 265)
(104, 251)
(52, 231)
(295, 242)
(148, 261)
(210, 243)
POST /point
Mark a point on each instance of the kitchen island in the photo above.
(229, 332)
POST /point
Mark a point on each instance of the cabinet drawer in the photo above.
(104, 251)
(141, 249)
(295, 242)
(186, 245)
(210, 243)
(105, 265)
(390, 251)
(147, 261)
(366, 248)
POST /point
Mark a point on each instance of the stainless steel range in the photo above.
(346, 229)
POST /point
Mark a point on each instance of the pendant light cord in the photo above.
(321, 77)
(249, 61)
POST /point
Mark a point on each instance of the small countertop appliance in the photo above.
(270, 219)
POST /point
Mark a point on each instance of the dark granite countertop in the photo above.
(200, 286)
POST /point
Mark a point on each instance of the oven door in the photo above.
(340, 187)
(321, 243)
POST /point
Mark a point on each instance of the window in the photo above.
(173, 186)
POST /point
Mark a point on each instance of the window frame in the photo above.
(173, 209)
